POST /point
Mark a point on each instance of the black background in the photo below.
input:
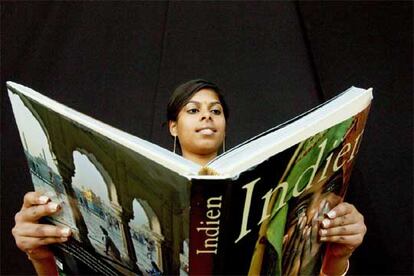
(119, 61)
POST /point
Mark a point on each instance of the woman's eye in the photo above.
(192, 110)
(216, 111)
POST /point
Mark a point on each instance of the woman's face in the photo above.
(200, 125)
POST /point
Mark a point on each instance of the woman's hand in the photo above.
(345, 228)
(33, 237)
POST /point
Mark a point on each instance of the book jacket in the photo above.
(130, 215)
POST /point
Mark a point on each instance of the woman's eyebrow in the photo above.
(214, 103)
(210, 104)
(194, 102)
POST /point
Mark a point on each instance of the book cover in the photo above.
(135, 208)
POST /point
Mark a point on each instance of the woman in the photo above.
(197, 116)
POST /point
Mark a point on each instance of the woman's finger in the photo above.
(30, 243)
(34, 213)
(34, 198)
(350, 218)
(40, 230)
(351, 229)
(341, 209)
(349, 240)
(341, 215)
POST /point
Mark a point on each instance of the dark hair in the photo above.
(183, 93)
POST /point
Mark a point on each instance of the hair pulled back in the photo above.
(184, 92)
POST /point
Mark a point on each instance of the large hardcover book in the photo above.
(136, 208)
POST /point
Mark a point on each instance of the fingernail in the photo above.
(322, 238)
(43, 199)
(65, 232)
(53, 207)
(331, 214)
(323, 232)
(325, 223)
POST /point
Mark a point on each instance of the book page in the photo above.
(151, 151)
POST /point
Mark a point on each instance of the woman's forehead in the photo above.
(205, 96)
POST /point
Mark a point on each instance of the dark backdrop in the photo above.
(119, 61)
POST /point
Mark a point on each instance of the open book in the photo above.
(136, 208)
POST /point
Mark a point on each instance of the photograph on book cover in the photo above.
(121, 227)
(316, 180)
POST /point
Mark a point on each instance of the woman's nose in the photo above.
(205, 115)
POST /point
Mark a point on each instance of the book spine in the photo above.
(205, 222)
